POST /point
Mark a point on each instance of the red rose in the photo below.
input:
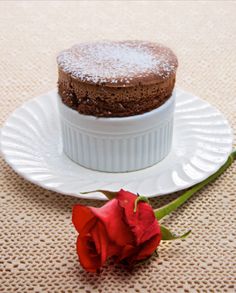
(115, 230)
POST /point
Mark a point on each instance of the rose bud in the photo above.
(124, 228)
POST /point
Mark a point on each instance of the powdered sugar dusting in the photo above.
(116, 61)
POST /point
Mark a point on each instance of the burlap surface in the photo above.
(37, 239)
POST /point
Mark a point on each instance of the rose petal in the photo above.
(81, 215)
(147, 225)
(148, 248)
(126, 251)
(142, 222)
(91, 262)
(104, 245)
(112, 216)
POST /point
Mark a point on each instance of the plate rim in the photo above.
(96, 195)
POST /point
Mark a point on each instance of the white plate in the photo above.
(31, 144)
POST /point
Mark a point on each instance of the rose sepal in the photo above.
(109, 194)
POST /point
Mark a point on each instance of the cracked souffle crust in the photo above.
(116, 79)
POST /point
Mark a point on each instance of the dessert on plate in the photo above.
(116, 103)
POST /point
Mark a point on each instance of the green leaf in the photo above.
(168, 235)
(109, 194)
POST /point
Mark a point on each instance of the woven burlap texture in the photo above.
(37, 239)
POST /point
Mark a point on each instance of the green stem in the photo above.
(173, 205)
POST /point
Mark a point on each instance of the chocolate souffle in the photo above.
(116, 79)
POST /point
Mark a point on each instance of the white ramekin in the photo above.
(117, 144)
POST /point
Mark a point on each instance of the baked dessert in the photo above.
(116, 79)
